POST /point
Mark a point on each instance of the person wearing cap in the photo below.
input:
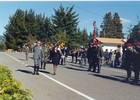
(128, 53)
(136, 62)
(37, 57)
(99, 57)
(46, 55)
(93, 57)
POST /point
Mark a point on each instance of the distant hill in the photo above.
(2, 39)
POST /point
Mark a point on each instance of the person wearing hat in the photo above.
(92, 57)
(99, 57)
(128, 53)
(46, 55)
(37, 57)
(136, 62)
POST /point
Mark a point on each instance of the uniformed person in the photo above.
(92, 57)
(89, 51)
(82, 57)
(85, 56)
(26, 52)
(46, 52)
(37, 57)
(128, 53)
(72, 55)
(99, 57)
(136, 62)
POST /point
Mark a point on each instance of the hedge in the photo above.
(10, 87)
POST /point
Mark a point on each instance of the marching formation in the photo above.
(94, 57)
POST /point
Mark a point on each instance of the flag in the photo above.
(94, 36)
(123, 40)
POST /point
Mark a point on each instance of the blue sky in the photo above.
(89, 11)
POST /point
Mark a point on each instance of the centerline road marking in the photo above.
(62, 84)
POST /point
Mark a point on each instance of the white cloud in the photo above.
(125, 21)
(87, 21)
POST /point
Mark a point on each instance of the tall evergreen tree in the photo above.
(106, 25)
(16, 33)
(135, 33)
(30, 21)
(111, 26)
(39, 27)
(49, 29)
(117, 27)
(66, 21)
(84, 37)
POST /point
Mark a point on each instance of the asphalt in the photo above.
(72, 82)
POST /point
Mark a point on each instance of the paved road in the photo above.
(71, 82)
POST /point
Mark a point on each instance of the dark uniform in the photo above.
(82, 57)
(128, 61)
(99, 58)
(92, 55)
(72, 54)
(136, 63)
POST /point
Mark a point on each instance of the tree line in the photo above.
(26, 27)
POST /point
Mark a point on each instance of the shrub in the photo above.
(10, 87)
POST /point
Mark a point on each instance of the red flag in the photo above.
(94, 36)
(123, 40)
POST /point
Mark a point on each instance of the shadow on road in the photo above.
(45, 72)
(30, 66)
(22, 59)
(115, 79)
(31, 57)
(24, 71)
(76, 69)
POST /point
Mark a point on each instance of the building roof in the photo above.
(111, 41)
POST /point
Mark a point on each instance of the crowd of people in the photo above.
(94, 57)
(43, 53)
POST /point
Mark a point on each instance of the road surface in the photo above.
(71, 82)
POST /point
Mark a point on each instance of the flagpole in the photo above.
(94, 32)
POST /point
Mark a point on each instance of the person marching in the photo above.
(55, 58)
(85, 56)
(72, 55)
(46, 55)
(99, 57)
(66, 55)
(26, 52)
(89, 51)
(136, 62)
(128, 60)
(37, 57)
(82, 57)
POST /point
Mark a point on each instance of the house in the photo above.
(111, 43)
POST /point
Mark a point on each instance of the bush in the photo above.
(10, 88)
(2, 46)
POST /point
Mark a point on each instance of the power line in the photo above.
(84, 9)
